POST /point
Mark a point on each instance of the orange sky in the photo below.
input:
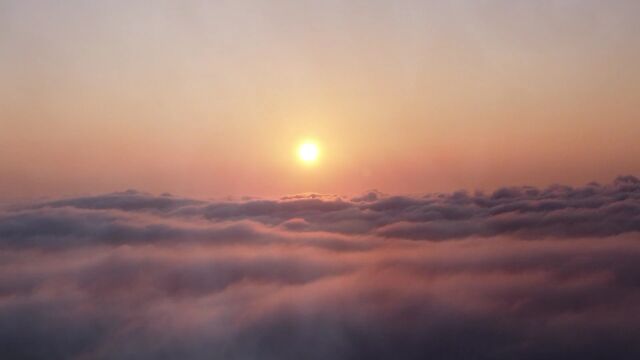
(211, 99)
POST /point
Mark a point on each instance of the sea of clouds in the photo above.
(518, 273)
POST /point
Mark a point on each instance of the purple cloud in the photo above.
(521, 273)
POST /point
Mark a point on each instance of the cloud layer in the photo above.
(521, 273)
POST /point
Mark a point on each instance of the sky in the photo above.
(211, 98)
(243, 180)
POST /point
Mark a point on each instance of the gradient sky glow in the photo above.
(213, 98)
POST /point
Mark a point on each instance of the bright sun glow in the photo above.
(308, 152)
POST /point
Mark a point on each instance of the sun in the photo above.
(308, 152)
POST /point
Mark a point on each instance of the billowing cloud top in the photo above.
(521, 273)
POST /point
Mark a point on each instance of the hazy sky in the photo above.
(211, 98)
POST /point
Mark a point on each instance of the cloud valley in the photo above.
(521, 272)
